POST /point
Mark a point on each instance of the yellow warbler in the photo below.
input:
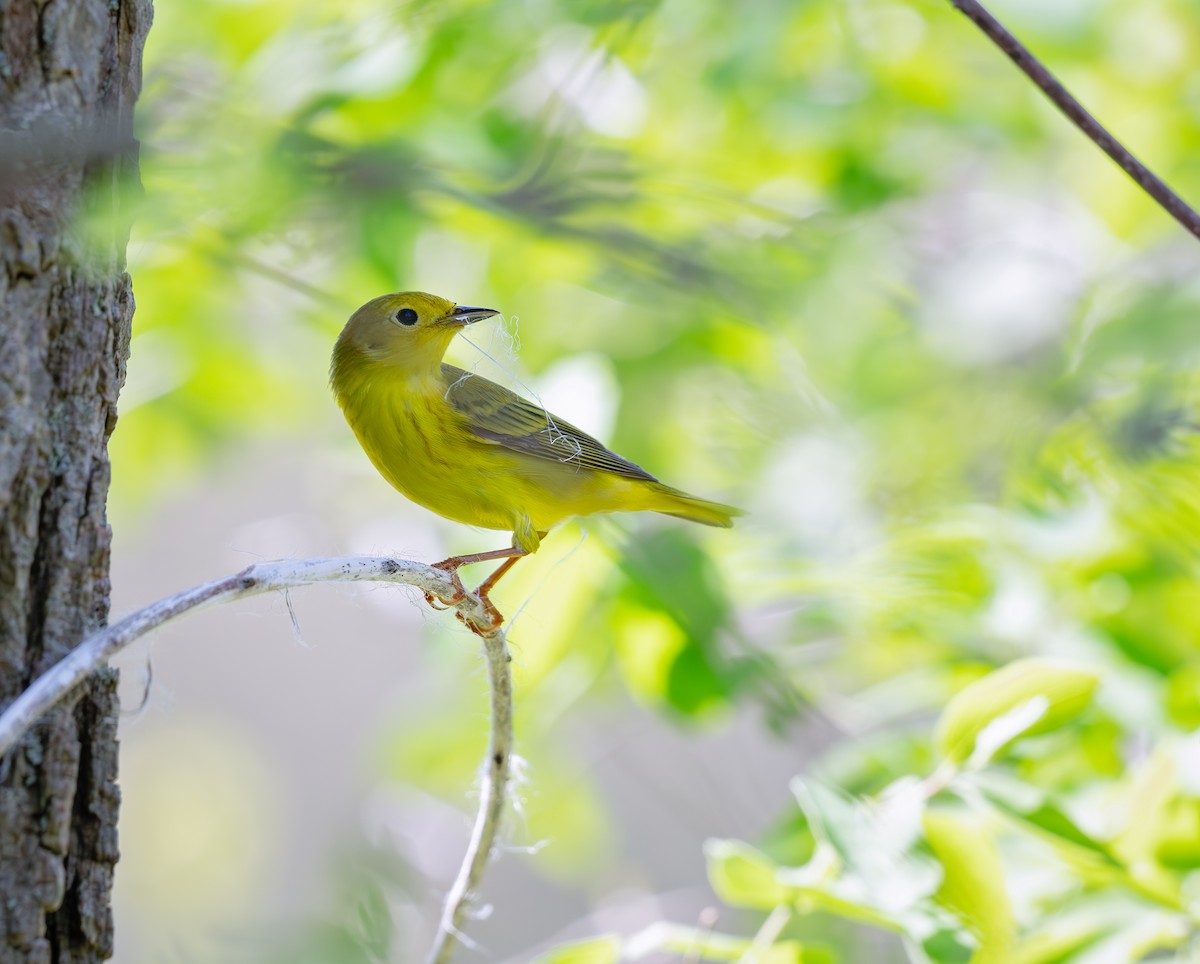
(470, 449)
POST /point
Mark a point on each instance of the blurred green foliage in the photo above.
(845, 269)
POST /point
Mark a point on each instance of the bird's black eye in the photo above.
(406, 316)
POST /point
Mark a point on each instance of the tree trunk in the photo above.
(70, 71)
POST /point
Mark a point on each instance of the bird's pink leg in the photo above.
(486, 586)
(510, 556)
(452, 565)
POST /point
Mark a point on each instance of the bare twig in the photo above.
(91, 654)
(491, 804)
(1171, 202)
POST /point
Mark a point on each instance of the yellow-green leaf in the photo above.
(596, 950)
(694, 943)
(972, 882)
(1023, 698)
(743, 876)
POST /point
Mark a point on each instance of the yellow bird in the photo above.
(472, 450)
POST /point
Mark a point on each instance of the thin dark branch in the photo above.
(1171, 202)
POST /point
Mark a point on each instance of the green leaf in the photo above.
(660, 663)
(972, 881)
(670, 572)
(865, 867)
(1183, 695)
(948, 946)
(1039, 811)
(677, 939)
(1154, 792)
(743, 876)
(694, 683)
(785, 952)
(1048, 818)
(671, 578)
(874, 841)
(1179, 841)
(595, 950)
(1109, 925)
(1024, 698)
(596, 12)
(694, 943)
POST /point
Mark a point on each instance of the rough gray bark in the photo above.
(70, 71)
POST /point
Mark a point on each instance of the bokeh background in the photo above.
(834, 262)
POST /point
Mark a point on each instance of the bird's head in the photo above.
(410, 329)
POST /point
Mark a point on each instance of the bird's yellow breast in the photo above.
(425, 449)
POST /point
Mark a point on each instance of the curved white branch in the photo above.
(495, 776)
(91, 654)
(95, 651)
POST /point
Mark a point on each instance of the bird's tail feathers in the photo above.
(671, 501)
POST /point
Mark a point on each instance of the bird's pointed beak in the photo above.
(464, 315)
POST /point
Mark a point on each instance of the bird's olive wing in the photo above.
(498, 415)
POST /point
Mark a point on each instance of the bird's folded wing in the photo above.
(498, 415)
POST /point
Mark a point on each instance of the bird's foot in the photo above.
(495, 617)
(460, 593)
